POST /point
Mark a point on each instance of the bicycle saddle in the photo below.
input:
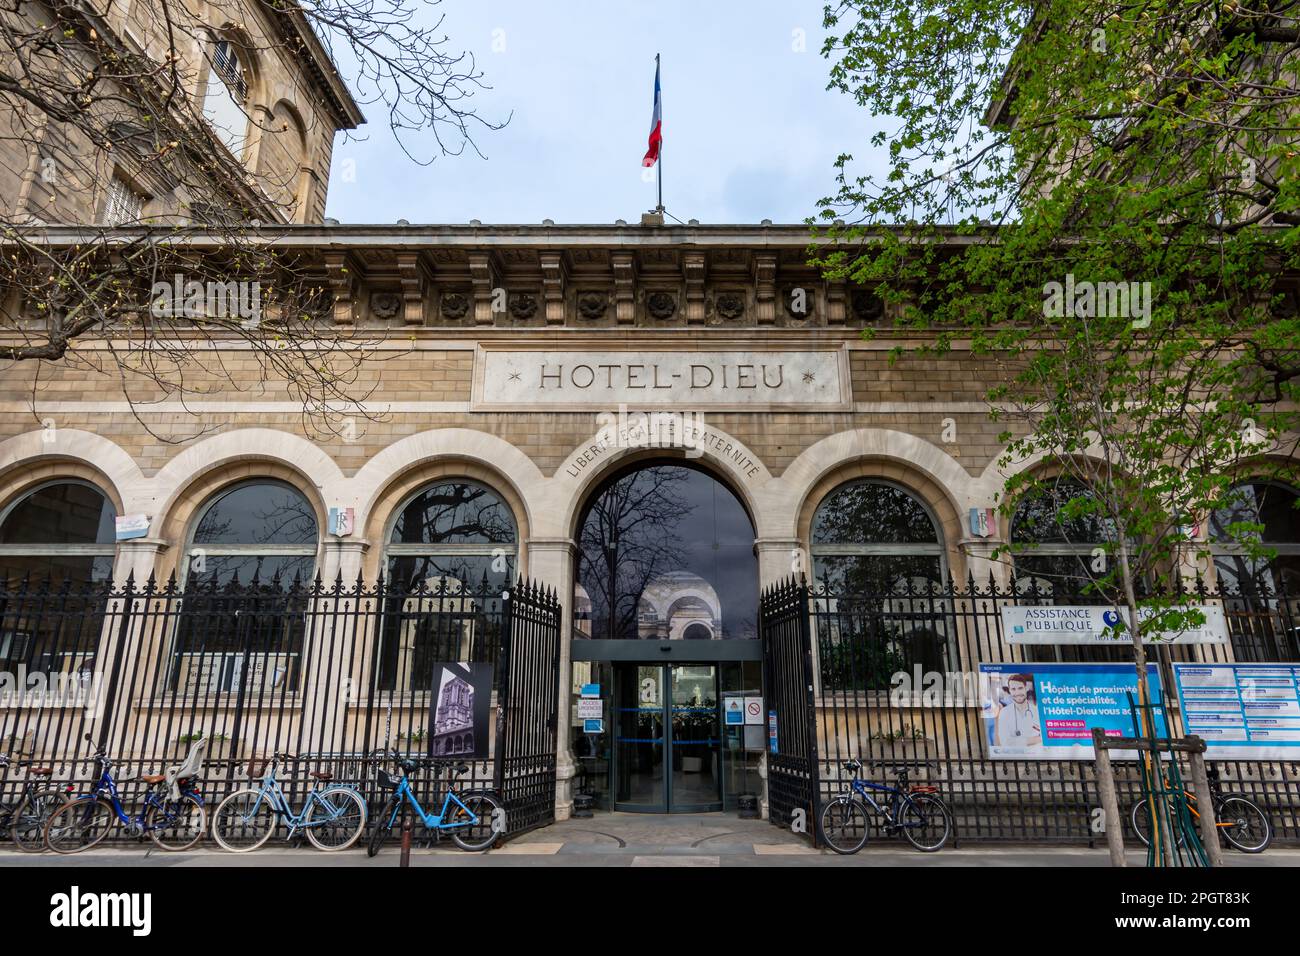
(153, 777)
(321, 775)
(40, 771)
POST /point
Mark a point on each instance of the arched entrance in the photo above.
(666, 637)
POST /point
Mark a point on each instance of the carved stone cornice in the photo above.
(413, 272)
(555, 277)
(765, 288)
(695, 267)
(343, 272)
(624, 266)
(485, 277)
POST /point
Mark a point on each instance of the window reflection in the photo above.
(666, 553)
(252, 554)
(451, 555)
(1258, 514)
(1056, 561)
(59, 535)
(881, 583)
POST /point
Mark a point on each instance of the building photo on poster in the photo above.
(460, 712)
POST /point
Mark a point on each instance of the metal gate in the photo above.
(793, 787)
(528, 697)
(338, 677)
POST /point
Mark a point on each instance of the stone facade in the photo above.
(783, 406)
(294, 103)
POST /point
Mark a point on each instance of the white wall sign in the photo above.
(1092, 624)
(589, 707)
(754, 710)
(131, 526)
(743, 379)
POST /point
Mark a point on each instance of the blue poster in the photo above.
(1242, 711)
(1048, 711)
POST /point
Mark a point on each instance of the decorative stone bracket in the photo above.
(415, 278)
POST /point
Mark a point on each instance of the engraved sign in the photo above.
(744, 379)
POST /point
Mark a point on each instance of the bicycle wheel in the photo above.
(243, 822)
(336, 819)
(925, 821)
(79, 824)
(1244, 825)
(479, 835)
(383, 827)
(844, 825)
(1140, 817)
(30, 817)
(176, 824)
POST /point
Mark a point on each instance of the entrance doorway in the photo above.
(667, 738)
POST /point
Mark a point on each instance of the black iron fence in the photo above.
(934, 723)
(337, 676)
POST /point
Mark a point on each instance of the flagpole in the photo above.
(660, 176)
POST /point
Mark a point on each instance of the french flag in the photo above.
(656, 124)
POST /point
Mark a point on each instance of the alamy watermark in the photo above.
(80, 688)
(1105, 300)
(659, 429)
(191, 299)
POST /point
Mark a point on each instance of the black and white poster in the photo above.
(460, 710)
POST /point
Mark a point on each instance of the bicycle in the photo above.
(472, 819)
(333, 817)
(916, 811)
(175, 823)
(25, 820)
(1241, 821)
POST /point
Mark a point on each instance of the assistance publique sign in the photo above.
(1099, 624)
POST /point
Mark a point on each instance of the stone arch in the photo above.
(245, 452)
(281, 152)
(572, 485)
(906, 460)
(29, 459)
(398, 471)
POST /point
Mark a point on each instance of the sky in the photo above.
(750, 130)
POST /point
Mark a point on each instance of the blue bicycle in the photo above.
(916, 811)
(332, 818)
(474, 819)
(172, 814)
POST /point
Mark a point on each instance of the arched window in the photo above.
(1055, 539)
(881, 578)
(263, 531)
(870, 536)
(61, 533)
(451, 553)
(63, 530)
(666, 553)
(226, 97)
(1262, 513)
(242, 623)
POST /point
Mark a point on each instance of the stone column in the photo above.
(781, 558)
(551, 563)
(778, 560)
(980, 562)
(139, 557)
(342, 557)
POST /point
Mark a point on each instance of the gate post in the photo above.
(814, 761)
(552, 560)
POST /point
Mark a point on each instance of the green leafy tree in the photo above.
(1100, 198)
